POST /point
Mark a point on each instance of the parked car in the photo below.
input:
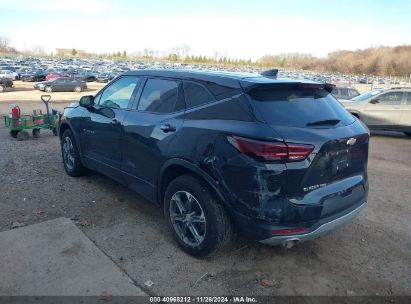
(5, 83)
(56, 75)
(384, 109)
(64, 84)
(9, 74)
(281, 161)
(105, 77)
(346, 93)
(33, 76)
(86, 77)
(13, 71)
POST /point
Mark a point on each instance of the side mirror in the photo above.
(87, 101)
(375, 101)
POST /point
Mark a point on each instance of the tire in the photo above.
(408, 134)
(36, 133)
(2, 88)
(14, 133)
(77, 89)
(71, 156)
(210, 220)
(23, 135)
(48, 89)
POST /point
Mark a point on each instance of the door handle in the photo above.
(167, 128)
(115, 122)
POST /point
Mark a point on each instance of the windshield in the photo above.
(299, 107)
(366, 95)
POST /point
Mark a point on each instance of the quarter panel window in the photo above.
(160, 96)
(196, 94)
(353, 93)
(118, 94)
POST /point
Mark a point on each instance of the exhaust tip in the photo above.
(288, 244)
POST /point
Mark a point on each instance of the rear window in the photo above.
(298, 106)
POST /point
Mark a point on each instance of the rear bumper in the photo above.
(323, 229)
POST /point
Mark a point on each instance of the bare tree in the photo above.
(182, 50)
(4, 43)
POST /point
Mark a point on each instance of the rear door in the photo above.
(149, 133)
(68, 84)
(384, 110)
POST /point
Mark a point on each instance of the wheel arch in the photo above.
(173, 168)
(66, 126)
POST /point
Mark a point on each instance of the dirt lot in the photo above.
(370, 256)
(28, 99)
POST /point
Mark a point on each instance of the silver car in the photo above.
(383, 109)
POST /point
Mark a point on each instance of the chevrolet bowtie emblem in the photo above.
(351, 141)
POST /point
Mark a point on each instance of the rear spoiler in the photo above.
(249, 86)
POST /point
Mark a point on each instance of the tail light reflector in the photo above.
(272, 151)
(288, 231)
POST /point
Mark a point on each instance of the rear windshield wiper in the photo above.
(324, 122)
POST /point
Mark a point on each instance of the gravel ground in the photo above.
(370, 256)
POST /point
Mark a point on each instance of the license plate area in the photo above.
(340, 160)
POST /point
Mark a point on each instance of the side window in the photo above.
(344, 92)
(118, 94)
(409, 98)
(392, 98)
(160, 96)
(196, 94)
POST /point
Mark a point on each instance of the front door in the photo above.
(405, 120)
(102, 126)
(59, 84)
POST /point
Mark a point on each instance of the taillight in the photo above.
(271, 151)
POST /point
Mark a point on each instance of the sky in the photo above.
(236, 29)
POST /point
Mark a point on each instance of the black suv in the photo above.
(279, 160)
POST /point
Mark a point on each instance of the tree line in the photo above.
(382, 61)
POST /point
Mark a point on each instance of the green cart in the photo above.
(19, 127)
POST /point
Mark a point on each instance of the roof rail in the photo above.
(272, 73)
